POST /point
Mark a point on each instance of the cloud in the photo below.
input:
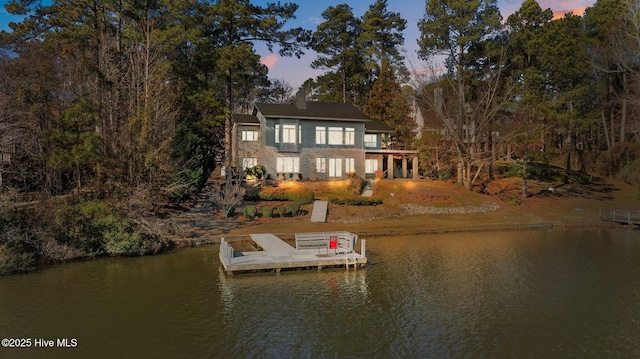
(557, 14)
(314, 20)
(269, 60)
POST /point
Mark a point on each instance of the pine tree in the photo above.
(387, 103)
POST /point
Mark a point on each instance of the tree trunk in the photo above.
(606, 131)
(227, 123)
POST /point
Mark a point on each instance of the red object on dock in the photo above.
(333, 242)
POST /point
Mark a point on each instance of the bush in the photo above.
(267, 212)
(444, 176)
(298, 194)
(282, 210)
(12, 261)
(250, 212)
(120, 237)
(255, 172)
(356, 201)
(293, 208)
(356, 183)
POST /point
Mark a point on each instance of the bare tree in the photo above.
(228, 196)
(470, 132)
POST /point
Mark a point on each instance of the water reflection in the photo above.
(551, 293)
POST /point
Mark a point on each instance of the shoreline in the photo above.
(504, 227)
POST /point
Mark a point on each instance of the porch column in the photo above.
(404, 166)
(390, 166)
(416, 175)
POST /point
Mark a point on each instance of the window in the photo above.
(288, 165)
(370, 141)
(277, 133)
(6, 152)
(335, 135)
(335, 167)
(248, 135)
(321, 165)
(370, 166)
(349, 165)
(249, 162)
(349, 136)
(289, 133)
(321, 135)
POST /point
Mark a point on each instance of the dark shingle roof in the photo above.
(314, 111)
(377, 126)
(247, 119)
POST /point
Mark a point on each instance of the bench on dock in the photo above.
(346, 241)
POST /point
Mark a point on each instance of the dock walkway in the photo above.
(277, 255)
(319, 212)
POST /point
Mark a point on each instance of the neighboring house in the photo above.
(429, 122)
(316, 140)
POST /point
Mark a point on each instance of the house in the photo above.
(317, 141)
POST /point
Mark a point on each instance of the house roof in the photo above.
(377, 126)
(314, 111)
(245, 119)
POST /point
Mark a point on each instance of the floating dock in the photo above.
(313, 250)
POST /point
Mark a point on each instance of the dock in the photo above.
(621, 216)
(313, 250)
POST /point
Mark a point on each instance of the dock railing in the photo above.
(226, 251)
(310, 240)
(621, 216)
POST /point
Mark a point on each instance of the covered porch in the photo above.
(392, 164)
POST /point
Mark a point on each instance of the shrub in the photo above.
(119, 236)
(272, 194)
(12, 261)
(444, 176)
(356, 183)
(298, 194)
(356, 201)
(255, 172)
(282, 210)
(293, 208)
(250, 212)
(267, 212)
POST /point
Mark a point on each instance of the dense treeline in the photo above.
(563, 91)
(129, 102)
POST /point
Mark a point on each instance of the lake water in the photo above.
(538, 294)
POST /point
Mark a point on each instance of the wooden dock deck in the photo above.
(277, 255)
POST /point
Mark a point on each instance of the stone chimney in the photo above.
(301, 99)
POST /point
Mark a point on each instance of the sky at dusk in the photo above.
(296, 71)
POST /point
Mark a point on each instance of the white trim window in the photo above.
(349, 136)
(321, 165)
(289, 134)
(249, 162)
(370, 166)
(335, 167)
(321, 135)
(288, 164)
(335, 136)
(349, 164)
(370, 141)
(249, 135)
(277, 133)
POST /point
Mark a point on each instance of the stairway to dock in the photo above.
(319, 213)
